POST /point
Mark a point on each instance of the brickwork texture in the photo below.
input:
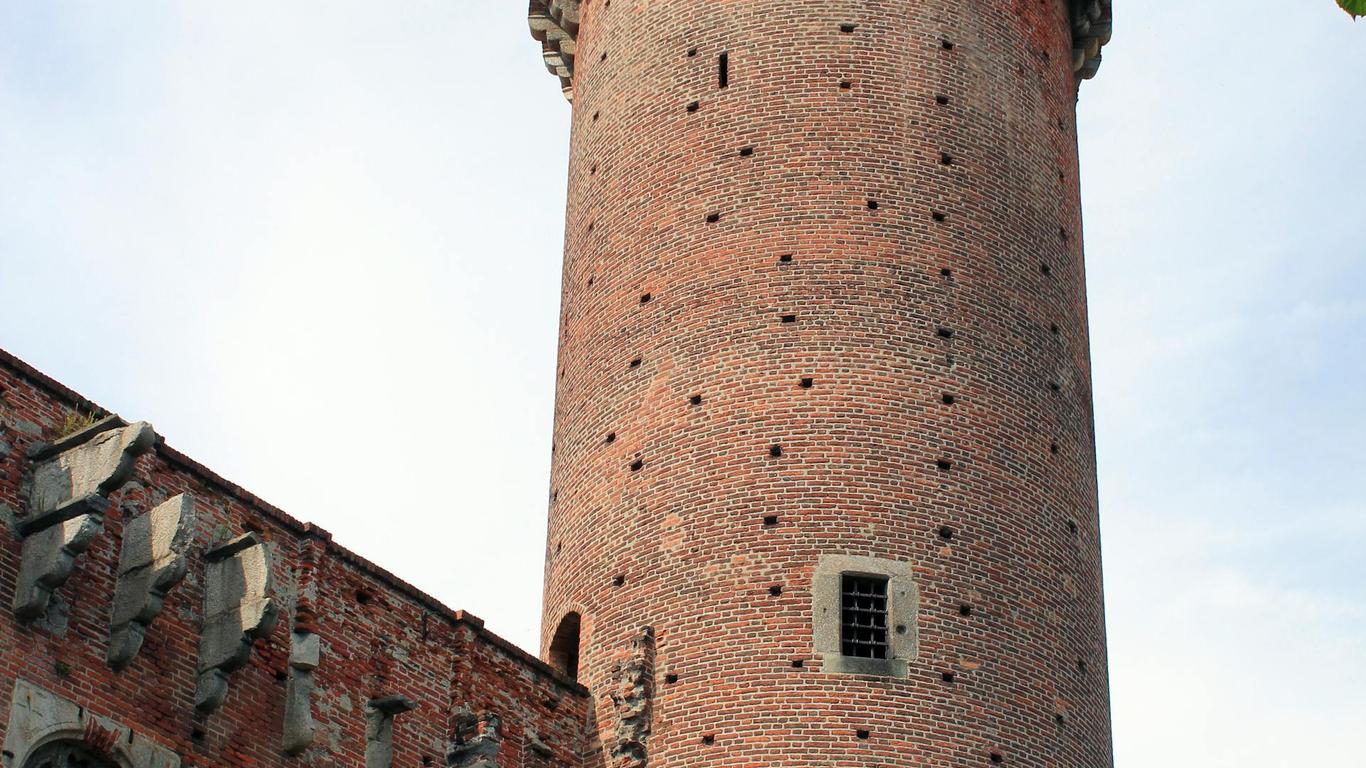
(824, 297)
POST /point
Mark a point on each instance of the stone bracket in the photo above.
(379, 729)
(151, 563)
(1092, 25)
(239, 607)
(555, 24)
(67, 499)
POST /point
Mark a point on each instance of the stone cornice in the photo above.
(555, 23)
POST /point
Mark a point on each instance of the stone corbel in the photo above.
(305, 652)
(239, 607)
(151, 563)
(379, 729)
(555, 24)
(72, 479)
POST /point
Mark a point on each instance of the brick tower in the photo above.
(824, 486)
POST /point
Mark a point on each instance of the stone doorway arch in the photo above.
(68, 753)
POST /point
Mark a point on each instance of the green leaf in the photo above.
(1355, 7)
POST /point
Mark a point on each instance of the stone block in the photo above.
(151, 563)
(239, 607)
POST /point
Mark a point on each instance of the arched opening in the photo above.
(564, 647)
(68, 754)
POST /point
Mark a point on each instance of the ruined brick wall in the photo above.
(477, 698)
(824, 298)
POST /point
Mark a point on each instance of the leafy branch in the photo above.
(1356, 8)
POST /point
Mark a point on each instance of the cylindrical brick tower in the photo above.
(824, 486)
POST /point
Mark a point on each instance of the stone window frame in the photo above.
(903, 606)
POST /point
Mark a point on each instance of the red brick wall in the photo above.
(957, 121)
(379, 636)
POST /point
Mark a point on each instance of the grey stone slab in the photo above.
(151, 562)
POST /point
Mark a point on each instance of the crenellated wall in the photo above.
(159, 615)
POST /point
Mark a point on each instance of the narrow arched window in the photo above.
(564, 646)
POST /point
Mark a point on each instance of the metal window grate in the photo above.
(863, 621)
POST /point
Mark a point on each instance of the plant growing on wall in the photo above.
(1355, 7)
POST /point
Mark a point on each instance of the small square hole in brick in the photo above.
(693, 106)
(872, 205)
(945, 333)
(611, 437)
(846, 85)
(596, 115)
(798, 663)
(807, 382)
(645, 298)
(941, 99)
(671, 678)
(944, 465)
(997, 757)
(786, 258)
(1044, 268)
(949, 399)
(713, 217)
(945, 158)
(946, 44)
(964, 610)
(949, 677)
(619, 580)
(709, 739)
(775, 451)
(848, 28)
(1054, 448)
(695, 400)
(692, 52)
(789, 318)
(635, 362)
(862, 734)
(770, 521)
(637, 465)
(746, 151)
(939, 216)
(775, 590)
(945, 272)
(945, 533)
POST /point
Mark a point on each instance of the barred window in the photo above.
(863, 622)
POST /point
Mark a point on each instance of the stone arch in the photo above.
(49, 731)
(564, 646)
(69, 753)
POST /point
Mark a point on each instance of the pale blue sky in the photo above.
(317, 245)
